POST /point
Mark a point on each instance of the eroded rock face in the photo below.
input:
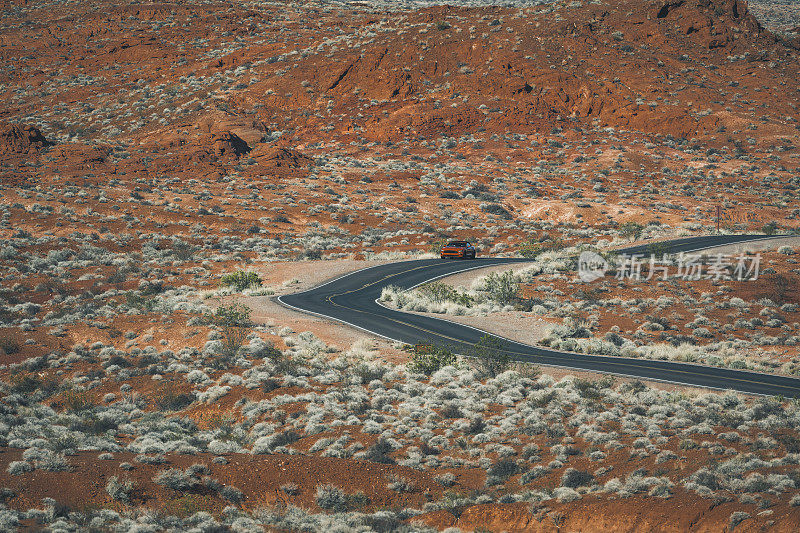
(228, 144)
(285, 157)
(21, 139)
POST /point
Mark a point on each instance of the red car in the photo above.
(458, 249)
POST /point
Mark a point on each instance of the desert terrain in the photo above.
(167, 169)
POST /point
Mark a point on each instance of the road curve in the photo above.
(351, 299)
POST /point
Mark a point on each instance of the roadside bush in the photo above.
(436, 245)
(502, 288)
(632, 230)
(489, 355)
(428, 358)
(441, 292)
(241, 280)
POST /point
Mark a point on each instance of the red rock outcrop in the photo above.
(283, 160)
(21, 139)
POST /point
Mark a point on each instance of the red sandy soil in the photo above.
(187, 140)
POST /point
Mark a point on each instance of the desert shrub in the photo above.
(230, 493)
(23, 383)
(573, 478)
(451, 410)
(400, 484)
(140, 302)
(632, 230)
(428, 358)
(490, 355)
(436, 245)
(177, 479)
(76, 401)
(447, 479)
(770, 228)
(168, 398)
(6, 494)
(331, 498)
(290, 488)
(566, 494)
(16, 468)
(379, 452)
(119, 490)
(267, 444)
(736, 518)
(241, 280)
(496, 209)
(790, 442)
(534, 473)
(441, 292)
(533, 247)
(543, 399)
(9, 345)
(183, 250)
(235, 325)
(502, 288)
(592, 389)
(312, 254)
(476, 425)
(501, 470)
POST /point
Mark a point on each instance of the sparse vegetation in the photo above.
(428, 358)
(491, 355)
(241, 280)
(157, 169)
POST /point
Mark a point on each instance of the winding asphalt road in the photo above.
(352, 299)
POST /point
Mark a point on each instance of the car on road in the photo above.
(458, 249)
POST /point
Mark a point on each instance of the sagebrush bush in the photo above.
(490, 355)
(16, 468)
(9, 345)
(119, 490)
(241, 280)
(235, 325)
(503, 288)
(331, 498)
(428, 358)
(573, 478)
(176, 479)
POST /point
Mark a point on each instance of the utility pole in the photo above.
(718, 215)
